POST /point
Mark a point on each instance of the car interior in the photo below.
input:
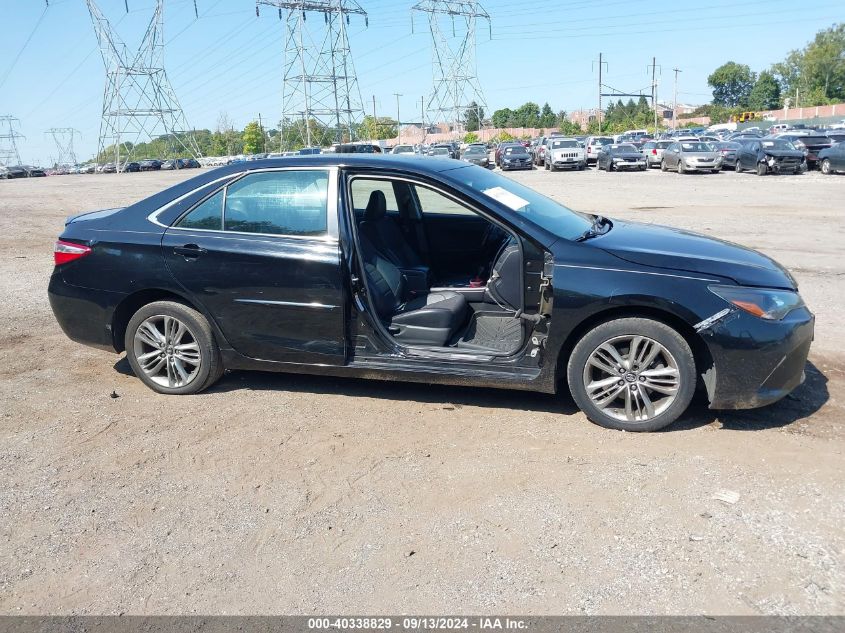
(438, 274)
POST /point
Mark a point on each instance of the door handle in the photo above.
(189, 251)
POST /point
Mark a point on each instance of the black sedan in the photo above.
(832, 159)
(24, 171)
(619, 157)
(477, 155)
(773, 155)
(151, 164)
(515, 157)
(426, 271)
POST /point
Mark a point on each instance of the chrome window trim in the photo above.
(331, 235)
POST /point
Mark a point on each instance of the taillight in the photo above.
(654, 152)
(65, 252)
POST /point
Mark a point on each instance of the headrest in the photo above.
(376, 207)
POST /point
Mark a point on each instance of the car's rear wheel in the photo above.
(171, 348)
(826, 170)
(632, 374)
(663, 165)
(761, 169)
(738, 166)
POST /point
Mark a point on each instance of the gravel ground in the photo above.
(297, 494)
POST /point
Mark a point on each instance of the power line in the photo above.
(25, 44)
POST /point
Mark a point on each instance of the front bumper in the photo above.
(702, 166)
(756, 362)
(573, 163)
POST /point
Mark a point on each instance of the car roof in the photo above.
(378, 161)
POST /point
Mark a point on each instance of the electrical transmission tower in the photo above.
(453, 26)
(321, 101)
(138, 102)
(63, 138)
(9, 154)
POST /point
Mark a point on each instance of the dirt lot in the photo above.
(294, 494)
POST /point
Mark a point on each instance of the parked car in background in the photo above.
(832, 159)
(17, 171)
(653, 152)
(192, 163)
(630, 318)
(403, 149)
(836, 137)
(132, 166)
(688, 156)
(107, 168)
(564, 153)
(449, 147)
(477, 155)
(728, 149)
(769, 155)
(811, 144)
(151, 164)
(539, 151)
(439, 151)
(497, 156)
(515, 157)
(4, 172)
(593, 145)
(618, 156)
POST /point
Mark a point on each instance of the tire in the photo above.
(663, 165)
(738, 166)
(716, 171)
(681, 169)
(547, 166)
(825, 167)
(609, 166)
(643, 168)
(761, 169)
(197, 335)
(674, 359)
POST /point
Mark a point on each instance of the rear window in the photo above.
(601, 140)
(663, 144)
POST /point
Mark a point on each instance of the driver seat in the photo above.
(429, 318)
(383, 233)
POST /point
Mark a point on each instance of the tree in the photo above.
(473, 115)
(732, 84)
(547, 116)
(380, 128)
(253, 137)
(765, 95)
(471, 137)
(502, 117)
(816, 74)
(528, 115)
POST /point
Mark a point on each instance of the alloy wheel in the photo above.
(167, 351)
(632, 378)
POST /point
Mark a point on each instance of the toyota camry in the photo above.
(395, 268)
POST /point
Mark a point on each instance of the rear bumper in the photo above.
(85, 315)
(756, 362)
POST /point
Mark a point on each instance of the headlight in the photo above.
(772, 305)
(770, 160)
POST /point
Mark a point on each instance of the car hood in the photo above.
(674, 249)
(707, 155)
(784, 153)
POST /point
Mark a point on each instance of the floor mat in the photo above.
(499, 333)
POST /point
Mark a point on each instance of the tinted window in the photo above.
(278, 203)
(206, 215)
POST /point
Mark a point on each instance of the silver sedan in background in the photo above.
(653, 152)
(691, 156)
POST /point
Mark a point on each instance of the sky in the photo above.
(230, 61)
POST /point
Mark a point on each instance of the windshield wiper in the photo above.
(600, 226)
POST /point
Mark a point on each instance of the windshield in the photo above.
(696, 147)
(542, 211)
(403, 149)
(663, 144)
(623, 149)
(779, 144)
(515, 150)
(557, 144)
(475, 150)
(440, 151)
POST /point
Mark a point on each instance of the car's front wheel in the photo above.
(761, 169)
(632, 374)
(171, 348)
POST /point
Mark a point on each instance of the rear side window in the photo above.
(278, 203)
(206, 215)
